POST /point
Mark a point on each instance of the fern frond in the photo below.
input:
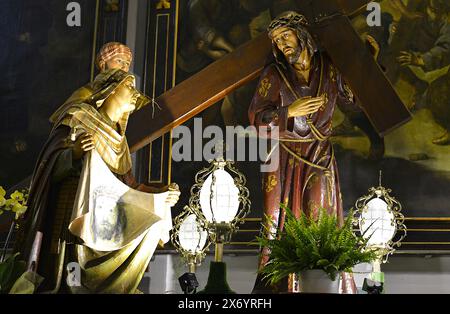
(308, 243)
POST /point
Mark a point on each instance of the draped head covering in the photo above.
(106, 82)
(297, 23)
(109, 138)
(111, 49)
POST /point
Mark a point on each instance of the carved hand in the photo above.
(174, 195)
(306, 105)
(84, 143)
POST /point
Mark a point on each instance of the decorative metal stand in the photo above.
(378, 217)
(221, 201)
(191, 240)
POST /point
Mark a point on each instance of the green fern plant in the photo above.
(313, 243)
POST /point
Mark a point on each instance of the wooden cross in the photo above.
(330, 26)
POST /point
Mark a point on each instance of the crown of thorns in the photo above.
(290, 19)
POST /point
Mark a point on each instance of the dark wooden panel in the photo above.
(42, 61)
(154, 160)
(111, 25)
(112, 22)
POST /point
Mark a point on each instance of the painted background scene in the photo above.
(413, 158)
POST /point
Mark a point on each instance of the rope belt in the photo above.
(326, 170)
(310, 163)
(293, 140)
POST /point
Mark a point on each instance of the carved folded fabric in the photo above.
(108, 215)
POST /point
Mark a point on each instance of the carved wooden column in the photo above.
(154, 161)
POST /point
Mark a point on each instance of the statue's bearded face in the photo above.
(106, 221)
(288, 43)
